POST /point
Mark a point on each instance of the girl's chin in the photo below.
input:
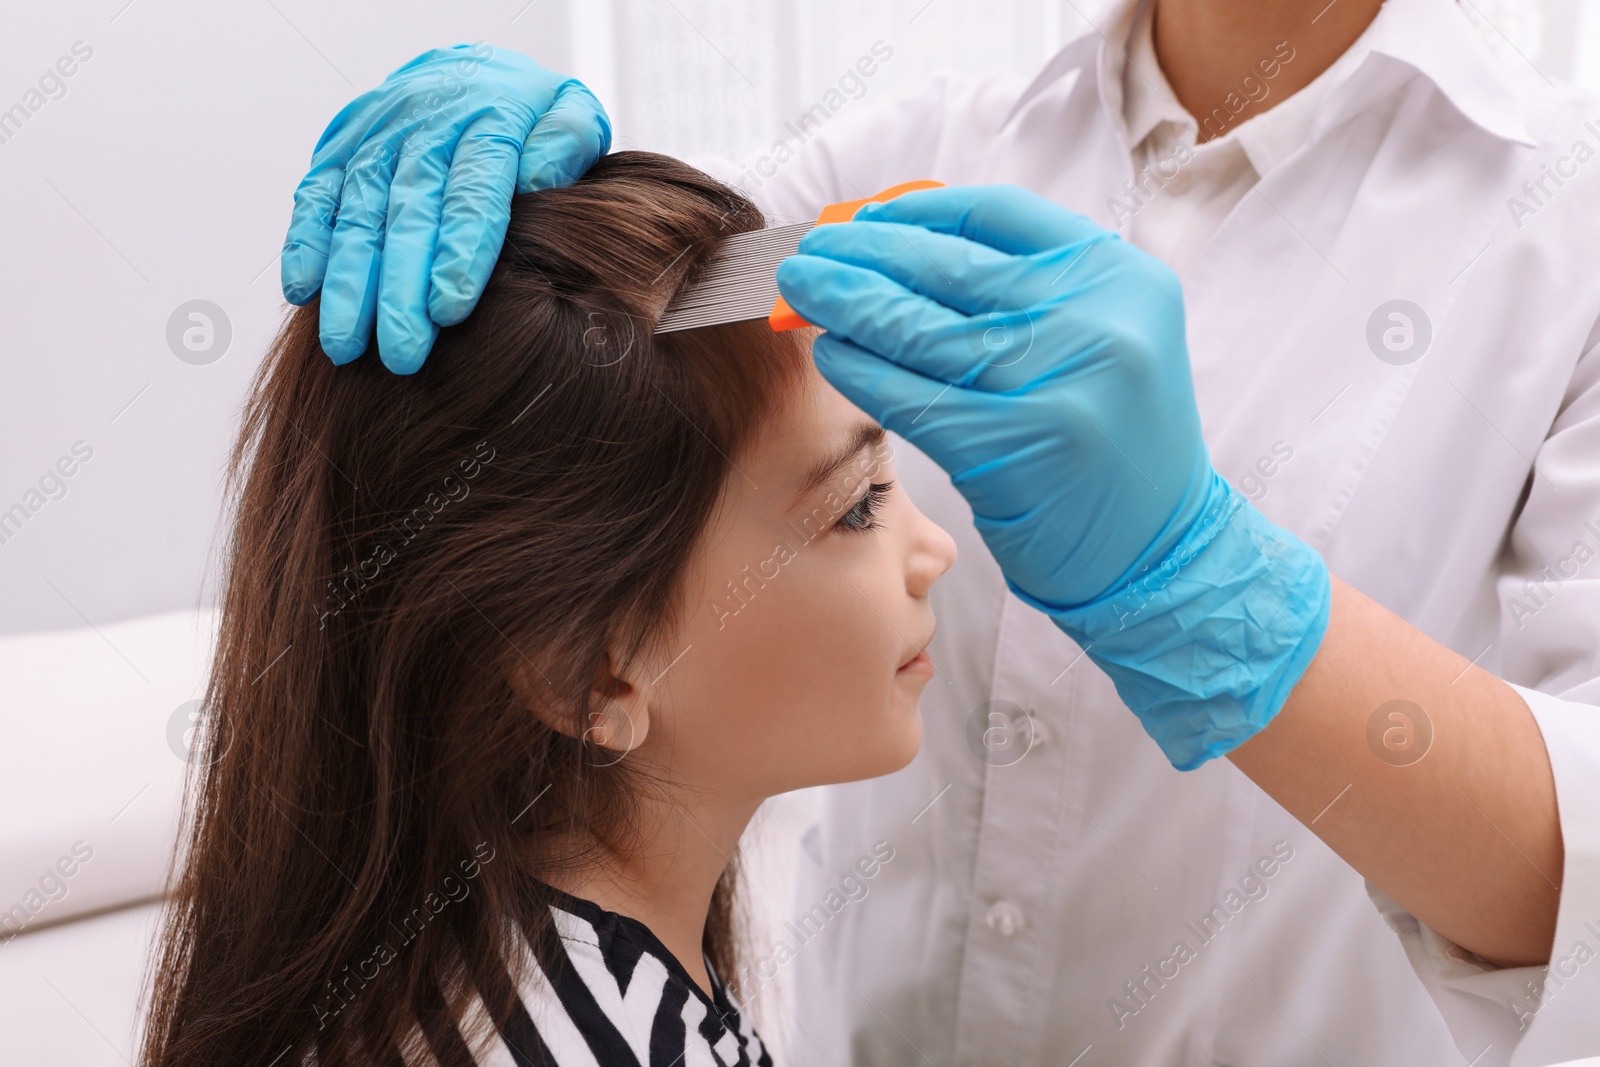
(902, 740)
(893, 750)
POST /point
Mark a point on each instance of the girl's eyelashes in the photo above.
(862, 515)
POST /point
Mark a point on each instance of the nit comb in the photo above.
(741, 281)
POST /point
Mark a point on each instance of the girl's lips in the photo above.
(918, 664)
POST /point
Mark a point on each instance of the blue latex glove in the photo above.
(1041, 361)
(404, 210)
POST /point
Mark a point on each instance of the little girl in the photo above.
(513, 649)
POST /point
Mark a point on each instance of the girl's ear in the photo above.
(619, 717)
(622, 700)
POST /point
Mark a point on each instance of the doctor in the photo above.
(1369, 360)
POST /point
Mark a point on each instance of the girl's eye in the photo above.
(862, 515)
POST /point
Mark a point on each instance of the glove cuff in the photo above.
(1206, 645)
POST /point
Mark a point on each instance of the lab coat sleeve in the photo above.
(1549, 593)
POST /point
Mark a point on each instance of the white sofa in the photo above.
(91, 785)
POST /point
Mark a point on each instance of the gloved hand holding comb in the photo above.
(1041, 361)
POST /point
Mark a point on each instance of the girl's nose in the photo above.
(933, 552)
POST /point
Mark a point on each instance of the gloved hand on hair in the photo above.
(1041, 361)
(405, 207)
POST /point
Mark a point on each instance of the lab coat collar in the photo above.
(1100, 45)
(1431, 38)
(1266, 139)
(1436, 39)
(1148, 100)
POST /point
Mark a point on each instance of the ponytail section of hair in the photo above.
(374, 801)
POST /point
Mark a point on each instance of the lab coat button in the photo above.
(1038, 733)
(1004, 918)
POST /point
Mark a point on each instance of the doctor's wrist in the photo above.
(1205, 645)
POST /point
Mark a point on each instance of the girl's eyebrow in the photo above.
(866, 434)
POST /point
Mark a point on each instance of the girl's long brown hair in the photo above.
(374, 801)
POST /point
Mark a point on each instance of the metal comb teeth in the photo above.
(740, 282)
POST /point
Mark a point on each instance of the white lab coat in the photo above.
(1025, 902)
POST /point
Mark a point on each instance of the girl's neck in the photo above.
(666, 882)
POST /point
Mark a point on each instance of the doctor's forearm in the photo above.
(1466, 838)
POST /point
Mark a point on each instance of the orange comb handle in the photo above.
(784, 317)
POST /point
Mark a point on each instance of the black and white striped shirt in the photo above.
(618, 999)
